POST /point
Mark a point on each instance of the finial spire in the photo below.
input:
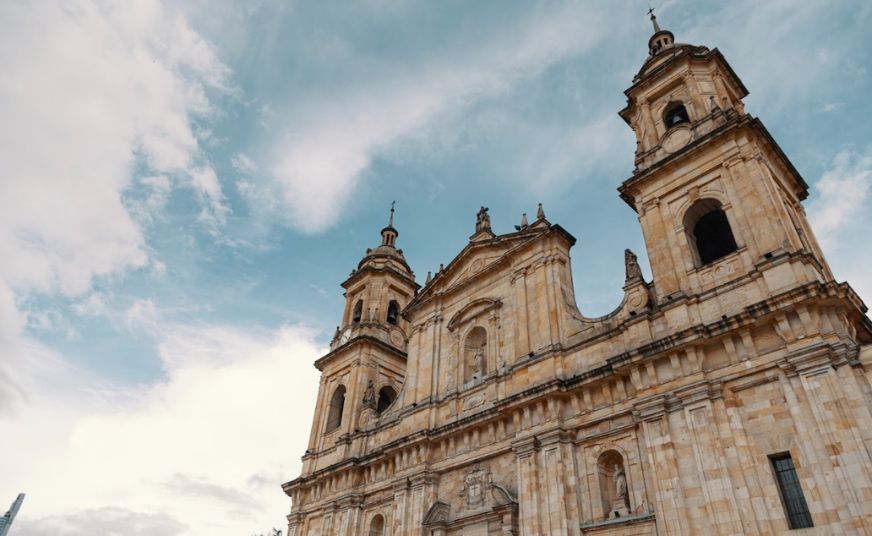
(662, 39)
(653, 19)
(389, 234)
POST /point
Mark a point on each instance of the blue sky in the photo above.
(185, 185)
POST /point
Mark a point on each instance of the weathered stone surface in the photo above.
(517, 414)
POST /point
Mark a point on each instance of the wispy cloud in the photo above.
(318, 162)
(840, 216)
(102, 89)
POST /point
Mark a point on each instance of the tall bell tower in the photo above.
(717, 199)
(364, 370)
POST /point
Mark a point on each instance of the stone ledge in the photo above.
(603, 526)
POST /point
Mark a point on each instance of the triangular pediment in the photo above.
(477, 258)
(482, 257)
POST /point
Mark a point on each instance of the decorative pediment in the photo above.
(438, 514)
(473, 310)
(472, 266)
(477, 257)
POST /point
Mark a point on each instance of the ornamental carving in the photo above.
(475, 485)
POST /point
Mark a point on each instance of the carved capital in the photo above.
(651, 410)
(525, 447)
(400, 485)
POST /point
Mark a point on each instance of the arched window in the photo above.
(377, 526)
(475, 353)
(709, 232)
(334, 412)
(675, 114)
(393, 312)
(358, 311)
(386, 397)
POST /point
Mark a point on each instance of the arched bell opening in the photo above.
(709, 232)
(386, 397)
(675, 115)
(335, 409)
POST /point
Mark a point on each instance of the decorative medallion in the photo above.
(676, 139)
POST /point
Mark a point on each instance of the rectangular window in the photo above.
(798, 516)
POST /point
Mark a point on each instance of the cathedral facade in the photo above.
(731, 394)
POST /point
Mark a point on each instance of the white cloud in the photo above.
(243, 164)
(841, 218)
(203, 452)
(842, 191)
(783, 69)
(107, 521)
(88, 89)
(318, 164)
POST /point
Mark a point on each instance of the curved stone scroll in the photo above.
(502, 495)
(438, 514)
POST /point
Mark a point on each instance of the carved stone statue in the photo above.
(482, 220)
(621, 502)
(369, 395)
(631, 264)
(620, 484)
(478, 361)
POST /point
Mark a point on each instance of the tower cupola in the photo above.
(661, 38)
(379, 288)
(389, 234)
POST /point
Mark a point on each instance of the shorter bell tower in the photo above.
(365, 368)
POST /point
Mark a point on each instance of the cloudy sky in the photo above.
(185, 184)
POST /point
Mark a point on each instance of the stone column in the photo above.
(649, 129)
(668, 503)
(401, 493)
(350, 516)
(713, 477)
(559, 505)
(522, 331)
(295, 524)
(747, 468)
(528, 497)
(838, 434)
(663, 267)
(422, 495)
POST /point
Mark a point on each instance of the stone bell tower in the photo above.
(365, 367)
(717, 198)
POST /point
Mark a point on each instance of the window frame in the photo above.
(790, 492)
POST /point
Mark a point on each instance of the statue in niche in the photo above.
(477, 361)
(621, 501)
(620, 484)
(631, 265)
(482, 220)
(369, 395)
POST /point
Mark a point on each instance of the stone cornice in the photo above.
(360, 339)
(735, 123)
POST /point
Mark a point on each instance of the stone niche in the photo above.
(612, 483)
(614, 490)
(474, 352)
